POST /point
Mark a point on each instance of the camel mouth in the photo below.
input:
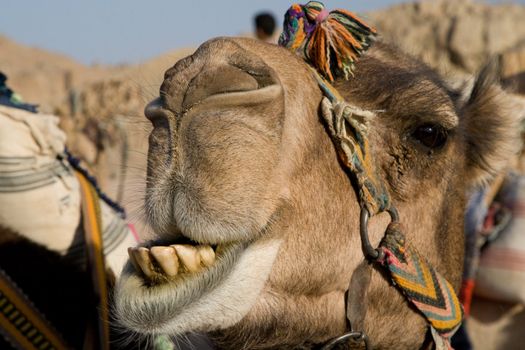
(170, 285)
(152, 299)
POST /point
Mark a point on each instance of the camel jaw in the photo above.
(215, 297)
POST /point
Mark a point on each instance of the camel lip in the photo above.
(167, 239)
(179, 239)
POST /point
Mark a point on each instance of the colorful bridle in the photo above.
(331, 43)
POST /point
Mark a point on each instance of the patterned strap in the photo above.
(421, 284)
(92, 230)
(21, 324)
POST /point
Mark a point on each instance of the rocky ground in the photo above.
(457, 36)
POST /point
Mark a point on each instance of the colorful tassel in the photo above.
(329, 41)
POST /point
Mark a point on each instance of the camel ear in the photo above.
(491, 120)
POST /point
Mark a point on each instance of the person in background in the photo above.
(265, 27)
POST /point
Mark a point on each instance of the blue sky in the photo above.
(124, 31)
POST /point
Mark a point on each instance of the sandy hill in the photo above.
(455, 36)
(39, 75)
(44, 77)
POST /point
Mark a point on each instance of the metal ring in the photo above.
(354, 336)
(369, 251)
(394, 216)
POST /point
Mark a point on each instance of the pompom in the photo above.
(329, 41)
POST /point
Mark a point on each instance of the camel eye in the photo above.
(433, 136)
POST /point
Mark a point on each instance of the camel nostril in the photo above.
(156, 113)
(218, 80)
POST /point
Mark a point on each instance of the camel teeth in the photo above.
(189, 257)
(171, 261)
(133, 260)
(143, 259)
(167, 260)
(207, 255)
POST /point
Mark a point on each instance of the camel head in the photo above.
(258, 222)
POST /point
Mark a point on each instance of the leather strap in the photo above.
(356, 296)
(95, 255)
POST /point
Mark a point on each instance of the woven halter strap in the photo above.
(409, 271)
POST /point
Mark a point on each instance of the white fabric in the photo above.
(26, 134)
(49, 215)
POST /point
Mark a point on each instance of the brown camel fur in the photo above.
(239, 157)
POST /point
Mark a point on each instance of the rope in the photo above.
(348, 127)
(75, 163)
